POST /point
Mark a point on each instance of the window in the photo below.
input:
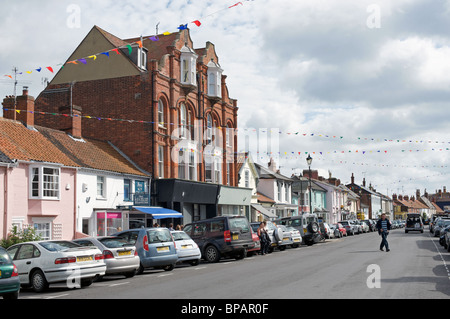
(101, 186)
(160, 161)
(45, 182)
(247, 178)
(183, 122)
(187, 168)
(214, 79)
(28, 251)
(209, 125)
(127, 190)
(160, 113)
(279, 191)
(181, 165)
(188, 68)
(42, 230)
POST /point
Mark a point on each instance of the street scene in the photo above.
(257, 150)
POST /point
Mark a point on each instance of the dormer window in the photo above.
(188, 65)
(214, 79)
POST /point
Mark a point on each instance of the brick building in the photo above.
(164, 103)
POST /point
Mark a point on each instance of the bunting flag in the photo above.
(139, 43)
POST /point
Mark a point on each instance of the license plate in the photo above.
(84, 258)
(162, 249)
(0, 274)
(124, 253)
(285, 238)
(186, 246)
(296, 239)
(235, 237)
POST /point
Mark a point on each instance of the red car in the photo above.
(257, 247)
(341, 229)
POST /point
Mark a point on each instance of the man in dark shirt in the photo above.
(384, 226)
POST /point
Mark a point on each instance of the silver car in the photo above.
(120, 257)
(187, 249)
(296, 237)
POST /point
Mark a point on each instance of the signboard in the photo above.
(141, 199)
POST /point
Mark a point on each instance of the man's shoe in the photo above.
(381, 249)
(388, 250)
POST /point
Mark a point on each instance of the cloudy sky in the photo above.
(361, 85)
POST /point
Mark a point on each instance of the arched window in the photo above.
(160, 113)
(214, 79)
(183, 123)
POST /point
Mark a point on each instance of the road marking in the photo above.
(198, 268)
(164, 275)
(442, 257)
(58, 296)
(121, 283)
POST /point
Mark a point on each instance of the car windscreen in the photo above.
(180, 236)
(239, 223)
(344, 223)
(58, 245)
(115, 242)
(294, 222)
(4, 258)
(158, 236)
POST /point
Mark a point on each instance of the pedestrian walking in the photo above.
(384, 226)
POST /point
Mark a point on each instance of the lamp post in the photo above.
(309, 161)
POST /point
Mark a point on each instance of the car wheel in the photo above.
(86, 282)
(278, 234)
(169, 267)
(194, 262)
(212, 254)
(309, 242)
(282, 248)
(130, 274)
(240, 255)
(38, 281)
(140, 270)
(313, 227)
(13, 295)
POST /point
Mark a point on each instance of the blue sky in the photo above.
(312, 66)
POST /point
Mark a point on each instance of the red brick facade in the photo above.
(120, 99)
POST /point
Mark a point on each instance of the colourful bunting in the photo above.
(154, 39)
(197, 23)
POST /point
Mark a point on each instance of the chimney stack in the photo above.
(353, 179)
(24, 110)
(364, 182)
(71, 122)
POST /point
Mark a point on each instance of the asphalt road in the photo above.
(349, 268)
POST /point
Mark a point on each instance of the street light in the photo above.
(309, 161)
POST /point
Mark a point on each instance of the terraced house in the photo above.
(166, 105)
(65, 186)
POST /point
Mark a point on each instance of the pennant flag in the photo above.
(105, 53)
(166, 33)
(73, 62)
(182, 27)
(8, 76)
(155, 38)
(234, 5)
(197, 23)
(50, 69)
(29, 72)
(116, 50)
(130, 49)
(92, 57)
(82, 61)
(139, 43)
(39, 70)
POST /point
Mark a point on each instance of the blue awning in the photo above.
(159, 212)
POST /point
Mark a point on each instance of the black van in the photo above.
(222, 236)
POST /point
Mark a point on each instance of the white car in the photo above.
(120, 257)
(365, 227)
(187, 250)
(296, 236)
(44, 262)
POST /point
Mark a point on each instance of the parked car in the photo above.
(155, 247)
(41, 263)
(9, 277)
(187, 249)
(440, 225)
(442, 234)
(325, 230)
(307, 224)
(372, 225)
(447, 240)
(341, 229)
(222, 236)
(296, 236)
(413, 223)
(349, 227)
(364, 227)
(287, 237)
(121, 258)
(336, 233)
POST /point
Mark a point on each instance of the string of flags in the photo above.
(129, 46)
(358, 151)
